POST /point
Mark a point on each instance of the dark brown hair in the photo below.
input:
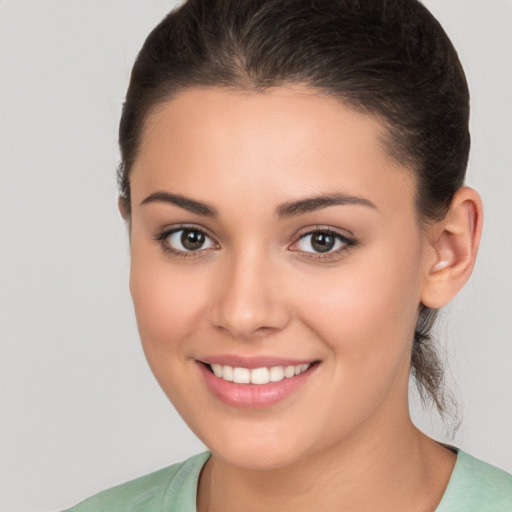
(389, 58)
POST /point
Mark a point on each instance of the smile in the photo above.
(255, 382)
(257, 376)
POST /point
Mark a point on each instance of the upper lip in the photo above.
(253, 361)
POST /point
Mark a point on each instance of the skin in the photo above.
(258, 288)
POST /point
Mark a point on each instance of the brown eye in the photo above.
(322, 242)
(188, 240)
(192, 240)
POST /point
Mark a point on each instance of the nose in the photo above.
(247, 301)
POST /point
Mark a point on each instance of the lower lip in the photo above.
(253, 395)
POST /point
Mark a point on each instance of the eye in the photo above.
(186, 240)
(322, 241)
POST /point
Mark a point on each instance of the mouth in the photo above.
(256, 376)
(255, 385)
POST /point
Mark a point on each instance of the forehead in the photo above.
(284, 141)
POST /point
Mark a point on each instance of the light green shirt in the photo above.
(473, 487)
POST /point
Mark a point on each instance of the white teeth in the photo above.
(217, 369)
(241, 375)
(276, 373)
(257, 375)
(227, 373)
(289, 371)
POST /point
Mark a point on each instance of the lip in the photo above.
(253, 396)
(252, 362)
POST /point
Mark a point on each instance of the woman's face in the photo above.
(269, 232)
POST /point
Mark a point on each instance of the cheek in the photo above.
(168, 308)
(365, 314)
(366, 310)
(168, 302)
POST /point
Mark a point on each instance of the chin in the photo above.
(256, 448)
(256, 459)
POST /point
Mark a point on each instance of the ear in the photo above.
(124, 208)
(453, 248)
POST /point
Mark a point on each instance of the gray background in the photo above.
(80, 410)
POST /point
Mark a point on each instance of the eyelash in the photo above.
(347, 242)
(162, 237)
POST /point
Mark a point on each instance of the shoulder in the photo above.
(477, 486)
(166, 489)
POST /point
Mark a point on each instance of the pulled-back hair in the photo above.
(388, 58)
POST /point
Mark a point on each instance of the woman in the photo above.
(292, 178)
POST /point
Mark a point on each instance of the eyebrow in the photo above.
(311, 204)
(186, 203)
(285, 210)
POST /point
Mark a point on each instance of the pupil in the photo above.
(322, 242)
(192, 240)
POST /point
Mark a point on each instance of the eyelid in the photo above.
(347, 239)
(166, 232)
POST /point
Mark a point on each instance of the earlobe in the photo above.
(454, 243)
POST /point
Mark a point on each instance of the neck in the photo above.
(402, 470)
